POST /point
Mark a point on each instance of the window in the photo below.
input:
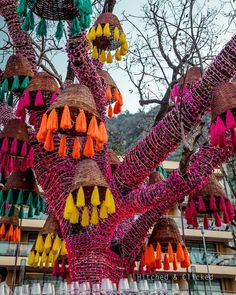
(202, 287)
(198, 255)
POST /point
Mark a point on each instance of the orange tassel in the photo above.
(110, 111)
(62, 147)
(117, 108)
(158, 264)
(175, 264)
(81, 123)
(158, 252)
(17, 234)
(102, 131)
(116, 95)
(7, 236)
(49, 144)
(108, 92)
(146, 256)
(41, 135)
(170, 252)
(186, 258)
(121, 100)
(151, 255)
(88, 148)
(76, 149)
(66, 119)
(99, 146)
(180, 253)
(52, 123)
(166, 262)
(10, 233)
(2, 230)
(93, 128)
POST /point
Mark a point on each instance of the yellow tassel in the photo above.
(106, 30)
(74, 216)
(39, 246)
(41, 264)
(31, 258)
(102, 57)
(109, 58)
(85, 217)
(48, 242)
(99, 31)
(47, 262)
(95, 52)
(92, 34)
(116, 34)
(122, 38)
(95, 198)
(56, 244)
(109, 202)
(63, 248)
(44, 257)
(123, 52)
(89, 46)
(36, 259)
(69, 206)
(118, 55)
(94, 216)
(50, 257)
(103, 211)
(80, 200)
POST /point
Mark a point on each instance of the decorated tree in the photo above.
(64, 140)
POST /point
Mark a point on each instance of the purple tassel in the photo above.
(213, 206)
(53, 98)
(226, 217)
(201, 205)
(32, 118)
(222, 204)
(218, 222)
(213, 135)
(24, 149)
(206, 222)
(4, 147)
(26, 98)
(39, 99)
(230, 122)
(14, 146)
(193, 209)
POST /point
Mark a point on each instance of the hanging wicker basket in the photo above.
(15, 128)
(193, 75)
(18, 65)
(51, 225)
(9, 228)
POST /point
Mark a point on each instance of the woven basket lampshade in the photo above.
(16, 152)
(89, 193)
(21, 190)
(41, 91)
(210, 200)
(105, 36)
(9, 228)
(48, 244)
(223, 107)
(113, 94)
(165, 246)
(78, 12)
(73, 113)
(193, 75)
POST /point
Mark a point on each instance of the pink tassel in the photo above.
(26, 98)
(4, 147)
(222, 204)
(230, 209)
(174, 92)
(217, 219)
(15, 164)
(185, 89)
(206, 222)
(23, 165)
(201, 205)
(14, 147)
(39, 99)
(141, 265)
(220, 131)
(226, 217)
(213, 135)
(7, 206)
(23, 115)
(56, 269)
(53, 98)
(30, 157)
(233, 136)
(24, 149)
(195, 222)
(32, 118)
(193, 209)
(11, 164)
(63, 268)
(213, 206)
(21, 105)
(187, 214)
(230, 122)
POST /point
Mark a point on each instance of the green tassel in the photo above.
(11, 211)
(165, 173)
(1, 95)
(37, 212)
(30, 199)
(75, 27)
(16, 84)
(60, 30)
(78, 4)
(2, 209)
(21, 8)
(37, 203)
(9, 199)
(1, 197)
(82, 20)
(87, 22)
(25, 83)
(41, 30)
(21, 212)
(10, 99)
(31, 211)
(28, 24)
(43, 206)
(5, 85)
(87, 7)
(20, 198)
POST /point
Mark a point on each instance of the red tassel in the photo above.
(24, 149)
(4, 147)
(166, 262)
(226, 217)
(30, 157)
(20, 106)
(230, 209)
(220, 132)
(141, 265)
(14, 146)
(188, 215)
(222, 204)
(233, 137)
(193, 208)
(26, 98)
(195, 222)
(217, 219)
(201, 205)
(230, 122)
(213, 135)
(158, 264)
(132, 267)
(39, 99)
(175, 264)
(206, 222)
(32, 118)
(213, 206)
(63, 268)
(55, 269)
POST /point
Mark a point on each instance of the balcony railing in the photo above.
(10, 249)
(213, 258)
